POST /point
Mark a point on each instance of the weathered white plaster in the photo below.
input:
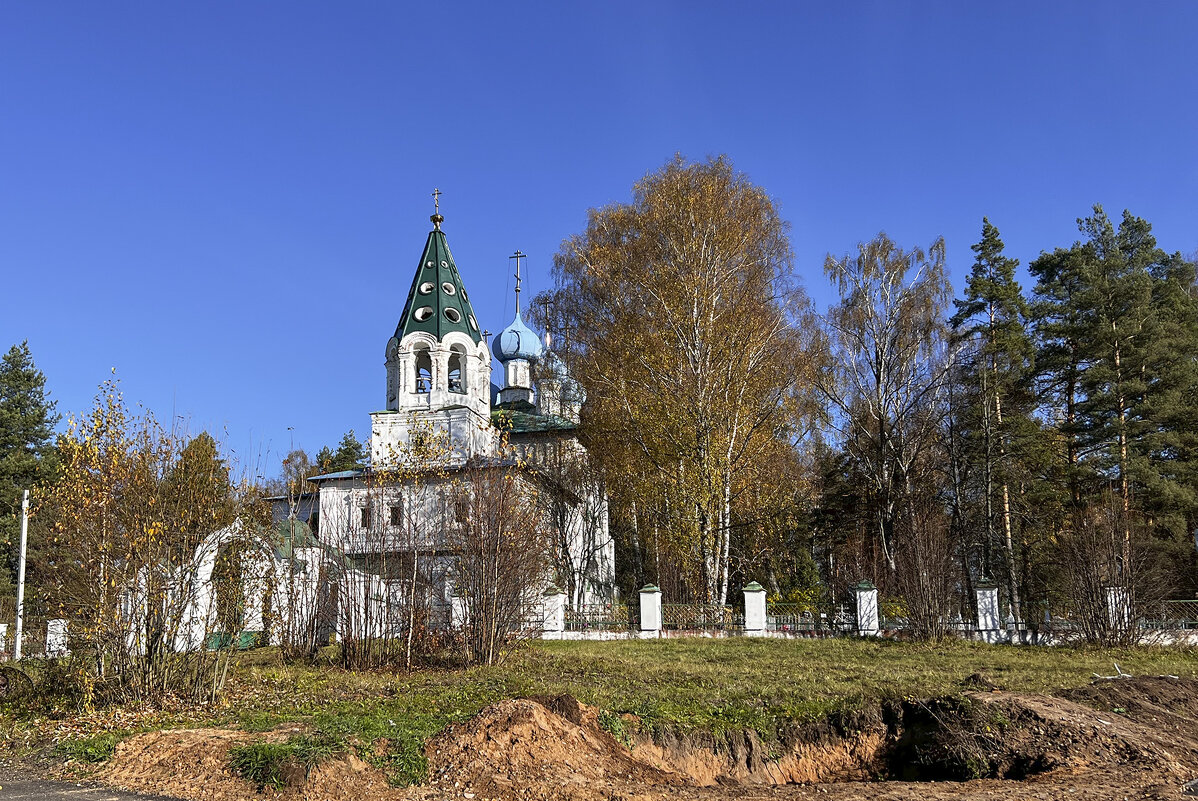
(56, 638)
(553, 610)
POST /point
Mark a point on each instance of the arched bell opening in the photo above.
(424, 371)
(457, 369)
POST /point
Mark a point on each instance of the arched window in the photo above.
(457, 370)
(424, 371)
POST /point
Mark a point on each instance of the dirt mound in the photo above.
(1166, 704)
(1164, 710)
(194, 764)
(520, 749)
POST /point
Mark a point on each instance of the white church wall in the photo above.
(424, 507)
(467, 432)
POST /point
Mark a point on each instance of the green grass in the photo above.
(90, 750)
(681, 685)
(262, 763)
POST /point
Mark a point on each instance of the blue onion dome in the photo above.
(517, 341)
(554, 369)
(572, 391)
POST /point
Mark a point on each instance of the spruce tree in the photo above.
(27, 421)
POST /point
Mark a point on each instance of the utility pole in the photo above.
(16, 650)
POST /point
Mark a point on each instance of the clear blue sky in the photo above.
(225, 201)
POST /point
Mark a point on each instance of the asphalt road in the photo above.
(13, 789)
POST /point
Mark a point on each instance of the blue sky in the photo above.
(225, 201)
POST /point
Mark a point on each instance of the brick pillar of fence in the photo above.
(1118, 608)
(989, 616)
(56, 638)
(754, 609)
(650, 611)
(553, 608)
(867, 609)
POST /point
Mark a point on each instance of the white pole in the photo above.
(16, 651)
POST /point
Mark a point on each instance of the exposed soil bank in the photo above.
(1128, 738)
(984, 743)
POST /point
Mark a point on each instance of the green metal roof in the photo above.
(437, 302)
(292, 534)
(521, 418)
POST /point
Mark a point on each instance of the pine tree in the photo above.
(27, 458)
(1118, 326)
(350, 455)
(991, 315)
(1058, 324)
(1170, 440)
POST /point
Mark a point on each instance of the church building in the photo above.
(442, 418)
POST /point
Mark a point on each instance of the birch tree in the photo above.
(124, 520)
(682, 320)
(889, 362)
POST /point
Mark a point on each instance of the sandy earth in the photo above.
(1122, 739)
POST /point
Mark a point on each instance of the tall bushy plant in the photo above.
(132, 501)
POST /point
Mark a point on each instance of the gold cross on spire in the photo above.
(517, 256)
(437, 218)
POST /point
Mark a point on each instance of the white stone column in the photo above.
(867, 609)
(56, 638)
(650, 611)
(457, 610)
(1118, 608)
(989, 616)
(553, 610)
(754, 609)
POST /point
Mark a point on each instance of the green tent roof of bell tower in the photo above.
(437, 302)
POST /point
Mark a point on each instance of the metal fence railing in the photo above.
(790, 617)
(1173, 615)
(598, 617)
(705, 617)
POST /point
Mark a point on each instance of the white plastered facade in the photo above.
(453, 397)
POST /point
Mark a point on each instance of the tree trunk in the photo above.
(1124, 483)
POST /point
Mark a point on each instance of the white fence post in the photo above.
(650, 611)
(754, 609)
(457, 610)
(989, 617)
(3, 640)
(1118, 608)
(867, 609)
(56, 638)
(553, 608)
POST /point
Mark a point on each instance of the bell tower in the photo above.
(438, 365)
